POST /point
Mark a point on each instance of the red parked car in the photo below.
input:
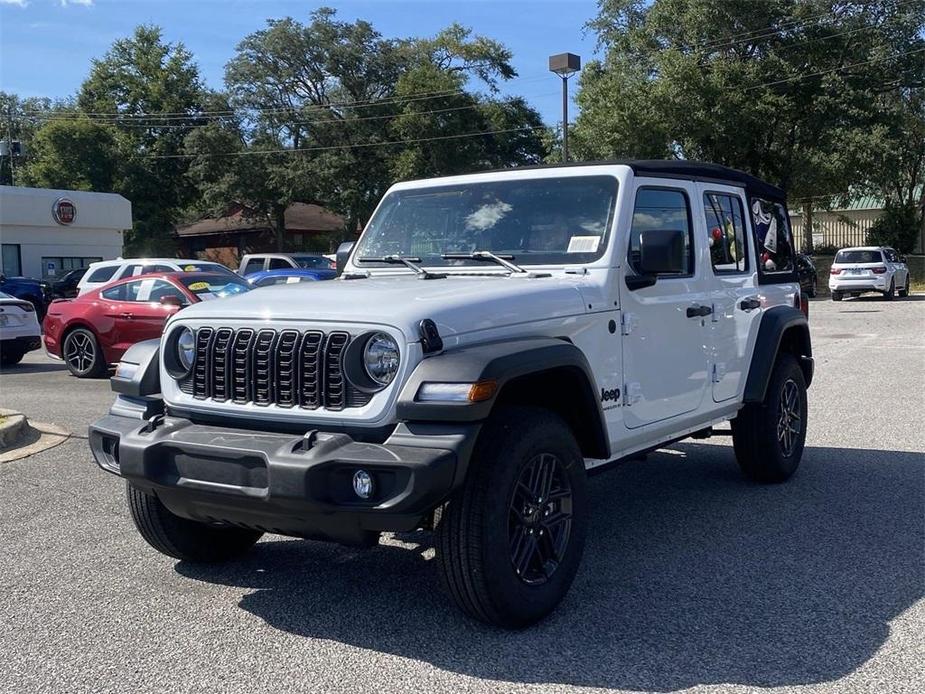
(92, 331)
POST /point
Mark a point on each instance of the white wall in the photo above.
(26, 220)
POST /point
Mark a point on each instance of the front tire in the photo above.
(182, 538)
(82, 354)
(769, 437)
(509, 542)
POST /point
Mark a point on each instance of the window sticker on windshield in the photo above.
(292, 280)
(583, 244)
(198, 286)
(189, 268)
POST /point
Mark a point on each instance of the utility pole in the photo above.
(9, 141)
(565, 65)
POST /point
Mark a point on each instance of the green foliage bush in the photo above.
(897, 227)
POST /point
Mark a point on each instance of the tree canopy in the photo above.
(803, 93)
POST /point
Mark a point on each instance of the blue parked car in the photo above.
(35, 291)
(290, 275)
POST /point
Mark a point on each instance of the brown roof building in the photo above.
(225, 239)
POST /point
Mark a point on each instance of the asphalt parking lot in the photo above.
(692, 578)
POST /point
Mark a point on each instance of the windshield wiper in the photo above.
(502, 260)
(408, 261)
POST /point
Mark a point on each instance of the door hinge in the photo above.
(628, 322)
(632, 393)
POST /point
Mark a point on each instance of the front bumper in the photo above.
(292, 485)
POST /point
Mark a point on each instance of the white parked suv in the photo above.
(105, 271)
(492, 339)
(19, 329)
(868, 269)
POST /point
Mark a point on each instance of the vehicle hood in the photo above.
(458, 304)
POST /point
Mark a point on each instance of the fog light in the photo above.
(362, 484)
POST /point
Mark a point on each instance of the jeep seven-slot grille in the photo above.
(286, 368)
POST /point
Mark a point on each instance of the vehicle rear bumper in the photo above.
(24, 343)
(282, 483)
(862, 285)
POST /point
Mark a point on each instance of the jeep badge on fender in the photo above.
(474, 402)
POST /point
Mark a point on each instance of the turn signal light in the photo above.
(482, 390)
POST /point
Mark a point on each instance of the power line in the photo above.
(248, 152)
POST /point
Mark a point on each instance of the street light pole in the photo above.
(565, 65)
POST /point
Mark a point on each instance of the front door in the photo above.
(734, 296)
(665, 326)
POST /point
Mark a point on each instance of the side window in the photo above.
(130, 270)
(158, 268)
(662, 208)
(773, 238)
(103, 274)
(130, 291)
(253, 265)
(726, 232)
(890, 255)
(279, 264)
(116, 293)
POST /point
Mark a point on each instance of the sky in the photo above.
(46, 45)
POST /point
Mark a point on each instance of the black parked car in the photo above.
(66, 287)
(37, 292)
(806, 271)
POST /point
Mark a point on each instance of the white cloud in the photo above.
(85, 3)
(18, 3)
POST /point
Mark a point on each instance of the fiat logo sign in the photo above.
(64, 211)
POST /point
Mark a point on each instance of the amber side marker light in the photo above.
(457, 392)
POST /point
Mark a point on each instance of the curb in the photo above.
(12, 427)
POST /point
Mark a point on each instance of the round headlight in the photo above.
(186, 348)
(381, 358)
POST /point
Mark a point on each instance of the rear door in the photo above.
(664, 331)
(724, 224)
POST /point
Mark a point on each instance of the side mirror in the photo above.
(343, 254)
(661, 252)
(171, 300)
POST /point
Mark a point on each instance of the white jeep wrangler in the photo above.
(492, 339)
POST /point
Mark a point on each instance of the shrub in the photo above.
(897, 227)
(825, 249)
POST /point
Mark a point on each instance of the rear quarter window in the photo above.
(773, 240)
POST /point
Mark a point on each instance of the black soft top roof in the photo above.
(688, 170)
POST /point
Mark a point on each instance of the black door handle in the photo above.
(749, 304)
(699, 311)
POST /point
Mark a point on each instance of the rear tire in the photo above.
(904, 292)
(769, 437)
(182, 538)
(891, 292)
(836, 296)
(83, 355)
(11, 356)
(524, 503)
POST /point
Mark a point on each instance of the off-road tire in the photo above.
(836, 296)
(477, 530)
(755, 431)
(182, 538)
(11, 357)
(82, 338)
(891, 292)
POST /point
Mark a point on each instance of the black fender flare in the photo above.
(501, 362)
(145, 379)
(775, 323)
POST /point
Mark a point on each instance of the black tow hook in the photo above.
(308, 441)
(153, 423)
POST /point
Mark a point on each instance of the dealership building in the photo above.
(46, 233)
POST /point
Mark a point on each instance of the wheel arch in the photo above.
(782, 329)
(546, 372)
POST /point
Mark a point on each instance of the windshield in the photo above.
(312, 262)
(859, 257)
(544, 221)
(215, 287)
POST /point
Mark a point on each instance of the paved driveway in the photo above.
(692, 577)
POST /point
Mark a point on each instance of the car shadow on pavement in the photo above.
(33, 367)
(691, 575)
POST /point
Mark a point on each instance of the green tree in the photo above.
(74, 154)
(150, 91)
(19, 120)
(794, 91)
